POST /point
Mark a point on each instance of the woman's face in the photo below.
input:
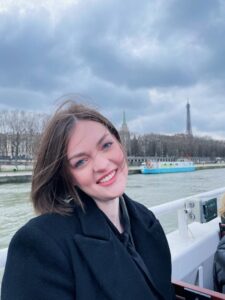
(96, 161)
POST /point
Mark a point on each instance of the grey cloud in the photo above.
(90, 50)
(25, 99)
(187, 15)
(31, 55)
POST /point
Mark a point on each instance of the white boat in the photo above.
(157, 167)
(192, 244)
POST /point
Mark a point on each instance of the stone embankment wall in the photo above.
(15, 177)
(24, 175)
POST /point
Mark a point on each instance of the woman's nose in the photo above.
(100, 162)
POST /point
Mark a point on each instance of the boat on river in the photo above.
(192, 244)
(158, 167)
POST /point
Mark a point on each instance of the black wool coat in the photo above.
(77, 257)
(219, 267)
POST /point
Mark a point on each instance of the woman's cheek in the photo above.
(80, 178)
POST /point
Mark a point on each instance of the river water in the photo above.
(151, 190)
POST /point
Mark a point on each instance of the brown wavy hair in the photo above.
(52, 188)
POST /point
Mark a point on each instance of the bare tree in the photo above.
(20, 133)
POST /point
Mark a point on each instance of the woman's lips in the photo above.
(107, 179)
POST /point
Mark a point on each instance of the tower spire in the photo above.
(124, 118)
(188, 118)
(125, 135)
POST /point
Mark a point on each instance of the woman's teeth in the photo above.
(108, 177)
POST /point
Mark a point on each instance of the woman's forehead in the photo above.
(86, 133)
(86, 127)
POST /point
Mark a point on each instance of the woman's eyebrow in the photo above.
(84, 153)
(102, 139)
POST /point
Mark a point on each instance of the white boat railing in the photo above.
(182, 208)
(167, 207)
(193, 244)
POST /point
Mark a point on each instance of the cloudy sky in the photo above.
(147, 57)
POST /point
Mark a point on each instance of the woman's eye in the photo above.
(80, 163)
(107, 145)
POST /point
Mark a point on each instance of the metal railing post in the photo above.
(182, 223)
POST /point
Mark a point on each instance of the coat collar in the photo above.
(107, 257)
(93, 221)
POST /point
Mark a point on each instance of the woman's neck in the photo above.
(111, 209)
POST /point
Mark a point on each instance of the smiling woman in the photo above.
(90, 240)
(97, 161)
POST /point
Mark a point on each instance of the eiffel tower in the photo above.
(188, 120)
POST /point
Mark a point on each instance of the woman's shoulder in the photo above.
(51, 218)
(52, 225)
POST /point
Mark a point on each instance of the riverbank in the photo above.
(209, 166)
(25, 176)
(16, 168)
(136, 170)
(15, 177)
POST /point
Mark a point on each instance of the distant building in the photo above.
(125, 135)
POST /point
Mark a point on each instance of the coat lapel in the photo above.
(107, 258)
(151, 244)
